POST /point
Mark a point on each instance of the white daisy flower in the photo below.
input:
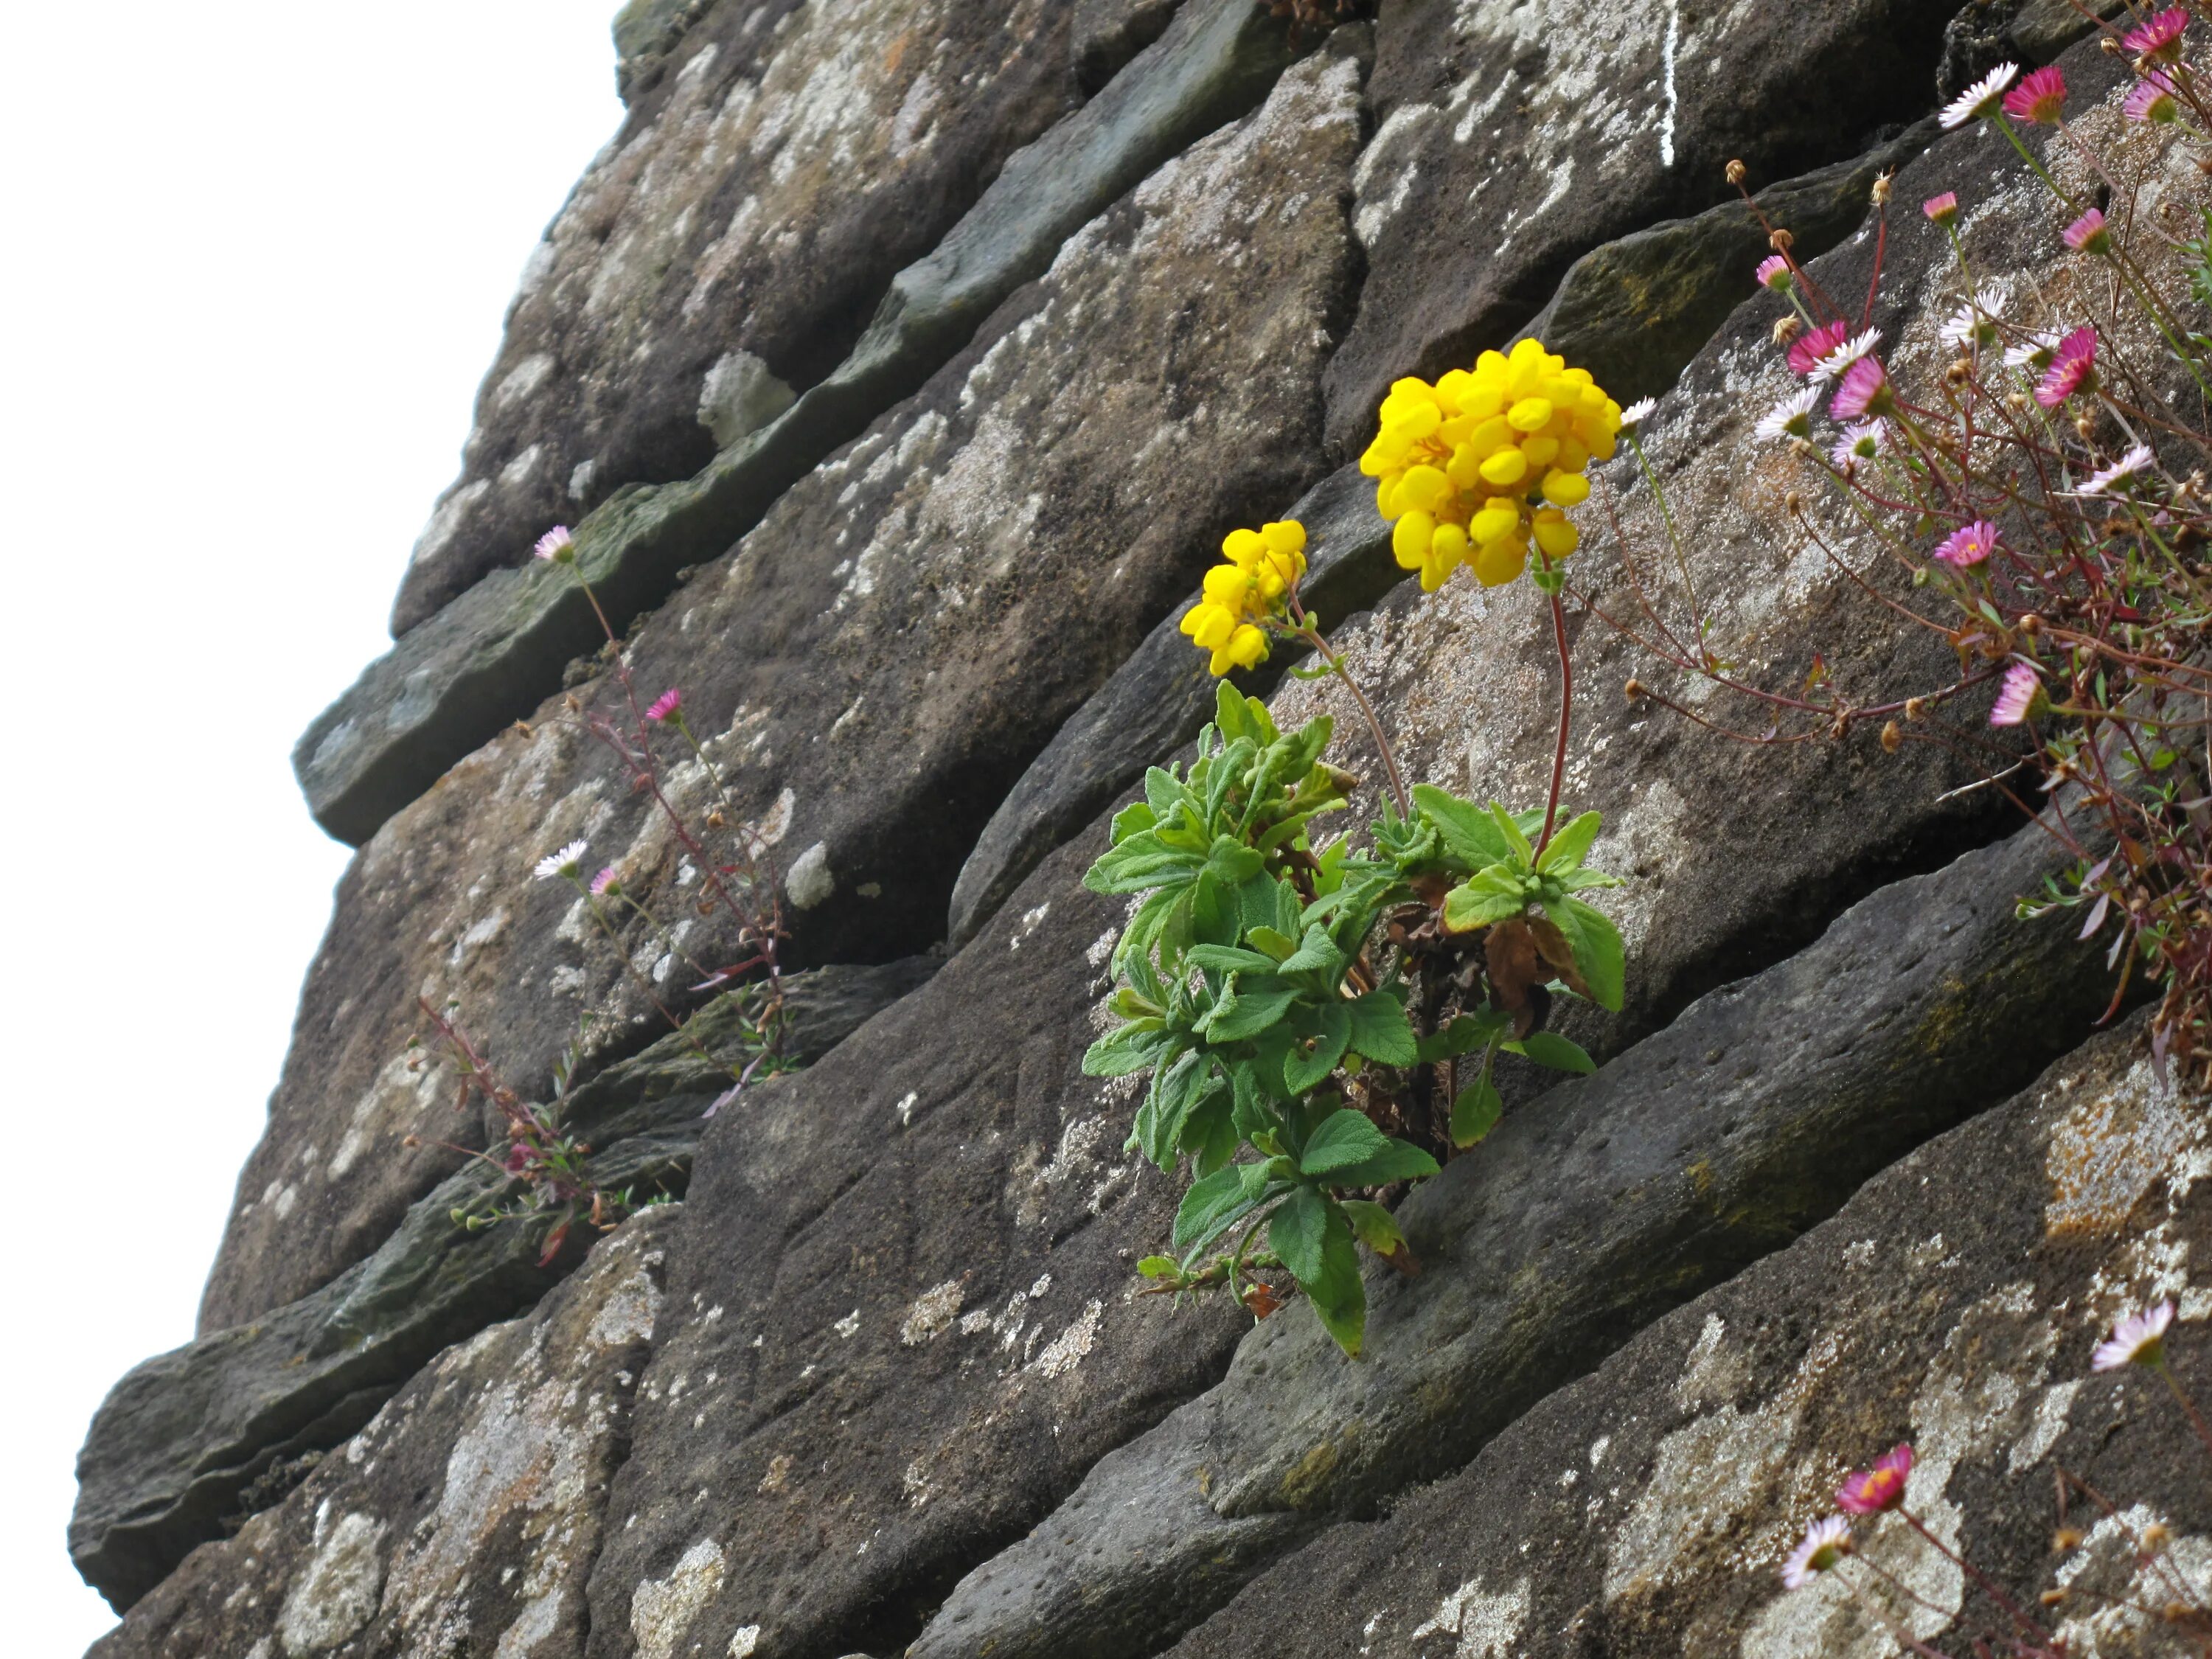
(1863, 440)
(1974, 323)
(1831, 367)
(2033, 352)
(2121, 473)
(1636, 413)
(568, 862)
(1790, 418)
(2139, 1338)
(1980, 99)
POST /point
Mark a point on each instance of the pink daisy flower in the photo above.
(1826, 1541)
(1969, 545)
(1942, 208)
(1865, 391)
(1807, 350)
(2152, 99)
(2126, 471)
(2160, 37)
(2088, 234)
(1981, 99)
(2073, 368)
(2040, 98)
(556, 544)
(2137, 1339)
(1870, 1491)
(665, 704)
(1774, 272)
(2017, 698)
(605, 882)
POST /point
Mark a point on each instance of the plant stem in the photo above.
(1566, 717)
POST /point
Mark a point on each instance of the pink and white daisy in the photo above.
(605, 882)
(1774, 272)
(1969, 545)
(2040, 98)
(1974, 323)
(1844, 356)
(1790, 418)
(2073, 368)
(2137, 1339)
(567, 863)
(1636, 413)
(1870, 1491)
(1809, 348)
(2121, 473)
(2152, 99)
(1826, 1541)
(1861, 442)
(665, 704)
(2160, 37)
(2035, 352)
(1982, 99)
(556, 544)
(1865, 391)
(2017, 698)
(1942, 208)
(2088, 234)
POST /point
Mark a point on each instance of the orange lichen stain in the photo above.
(2107, 1152)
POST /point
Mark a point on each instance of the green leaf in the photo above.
(1133, 819)
(1570, 845)
(1254, 1005)
(1159, 1267)
(1304, 1067)
(1380, 1031)
(1469, 833)
(1297, 1232)
(1130, 1049)
(1475, 1113)
(1399, 1160)
(1596, 944)
(1489, 896)
(1230, 713)
(1209, 1133)
(1371, 1224)
(1516, 836)
(1211, 1203)
(1164, 792)
(1234, 862)
(1550, 1048)
(1228, 959)
(1277, 946)
(1316, 952)
(1339, 1297)
(1343, 1139)
(1464, 1034)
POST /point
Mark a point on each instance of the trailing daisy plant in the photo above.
(550, 1167)
(1316, 1023)
(2042, 505)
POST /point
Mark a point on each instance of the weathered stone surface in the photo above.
(1589, 1212)
(180, 1442)
(1955, 1303)
(1157, 700)
(902, 1323)
(1514, 139)
(780, 162)
(1987, 33)
(463, 1519)
(1637, 311)
(487, 658)
(872, 667)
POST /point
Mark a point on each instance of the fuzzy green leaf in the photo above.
(1130, 1049)
(1344, 1138)
(1550, 1048)
(1372, 1226)
(1211, 1203)
(1469, 833)
(1399, 1160)
(1255, 1005)
(1475, 1113)
(1598, 953)
(1380, 1030)
(1570, 844)
(1297, 1232)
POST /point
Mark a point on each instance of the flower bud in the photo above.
(1880, 191)
(1916, 708)
(2065, 1539)
(2051, 1598)
(1737, 173)
(2155, 1537)
(1780, 240)
(1633, 690)
(1787, 327)
(1893, 740)
(2031, 624)
(2111, 44)
(2084, 425)
(1793, 503)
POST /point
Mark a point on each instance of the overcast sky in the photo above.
(256, 260)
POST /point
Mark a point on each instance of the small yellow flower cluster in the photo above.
(1245, 592)
(1471, 468)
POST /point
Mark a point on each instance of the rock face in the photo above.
(871, 667)
(1955, 1303)
(779, 163)
(1513, 139)
(884, 1380)
(463, 1518)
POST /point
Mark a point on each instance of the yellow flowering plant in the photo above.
(1322, 1025)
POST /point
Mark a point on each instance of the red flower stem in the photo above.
(1994, 1590)
(2189, 1405)
(1566, 718)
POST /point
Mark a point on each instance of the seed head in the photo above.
(1787, 327)
(1880, 191)
(1633, 690)
(1737, 173)
(1893, 740)
(1916, 708)
(1780, 240)
(2155, 1537)
(2065, 1540)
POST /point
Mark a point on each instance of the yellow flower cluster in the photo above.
(1245, 592)
(1473, 467)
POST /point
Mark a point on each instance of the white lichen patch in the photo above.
(932, 1313)
(661, 1609)
(335, 1594)
(1066, 1351)
(1488, 1623)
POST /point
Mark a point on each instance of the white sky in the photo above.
(255, 260)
